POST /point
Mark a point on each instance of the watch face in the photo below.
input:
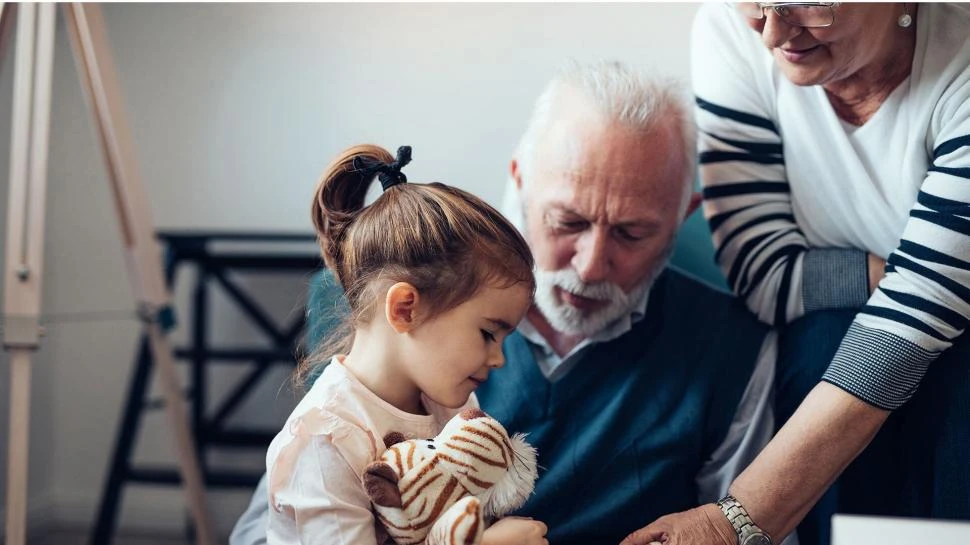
(756, 539)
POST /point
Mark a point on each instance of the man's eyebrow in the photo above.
(501, 324)
(645, 222)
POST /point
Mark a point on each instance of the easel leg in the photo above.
(89, 43)
(175, 407)
(25, 234)
(120, 469)
(17, 457)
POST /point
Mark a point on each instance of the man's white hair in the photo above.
(635, 98)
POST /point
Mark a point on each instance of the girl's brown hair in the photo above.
(445, 242)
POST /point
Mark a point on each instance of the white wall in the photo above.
(235, 110)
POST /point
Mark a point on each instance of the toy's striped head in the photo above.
(418, 480)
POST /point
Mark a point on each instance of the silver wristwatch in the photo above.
(748, 532)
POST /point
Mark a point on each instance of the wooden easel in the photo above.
(36, 27)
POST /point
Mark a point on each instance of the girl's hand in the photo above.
(515, 531)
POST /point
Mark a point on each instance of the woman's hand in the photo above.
(877, 270)
(515, 531)
(704, 525)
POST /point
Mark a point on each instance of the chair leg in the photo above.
(124, 446)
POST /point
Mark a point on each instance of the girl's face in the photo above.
(450, 355)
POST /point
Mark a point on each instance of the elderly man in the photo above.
(644, 390)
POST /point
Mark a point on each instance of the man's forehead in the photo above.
(577, 149)
(614, 196)
(619, 179)
(604, 168)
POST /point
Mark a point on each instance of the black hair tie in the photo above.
(389, 174)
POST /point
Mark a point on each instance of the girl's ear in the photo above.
(401, 307)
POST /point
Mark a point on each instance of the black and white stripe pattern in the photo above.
(759, 132)
(921, 306)
(748, 206)
(854, 193)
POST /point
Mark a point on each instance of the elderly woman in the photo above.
(834, 137)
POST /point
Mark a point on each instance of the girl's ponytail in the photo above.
(339, 198)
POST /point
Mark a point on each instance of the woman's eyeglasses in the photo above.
(802, 14)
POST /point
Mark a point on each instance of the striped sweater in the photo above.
(796, 198)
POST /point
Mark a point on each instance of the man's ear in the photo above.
(401, 307)
(695, 201)
(516, 173)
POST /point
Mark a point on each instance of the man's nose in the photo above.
(776, 31)
(591, 260)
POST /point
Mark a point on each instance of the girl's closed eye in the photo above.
(488, 335)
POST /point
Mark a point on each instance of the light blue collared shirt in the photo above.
(555, 367)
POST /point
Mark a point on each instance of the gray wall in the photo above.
(235, 110)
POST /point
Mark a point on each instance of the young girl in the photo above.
(435, 279)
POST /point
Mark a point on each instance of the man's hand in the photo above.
(704, 525)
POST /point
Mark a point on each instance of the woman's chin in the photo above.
(804, 72)
(801, 75)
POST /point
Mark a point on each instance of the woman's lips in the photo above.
(798, 55)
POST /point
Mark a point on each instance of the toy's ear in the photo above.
(380, 481)
(392, 438)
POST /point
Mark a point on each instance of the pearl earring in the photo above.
(905, 19)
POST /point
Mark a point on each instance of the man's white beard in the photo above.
(568, 319)
(562, 316)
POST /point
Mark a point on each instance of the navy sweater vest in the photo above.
(623, 435)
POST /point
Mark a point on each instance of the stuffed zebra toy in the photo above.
(442, 491)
